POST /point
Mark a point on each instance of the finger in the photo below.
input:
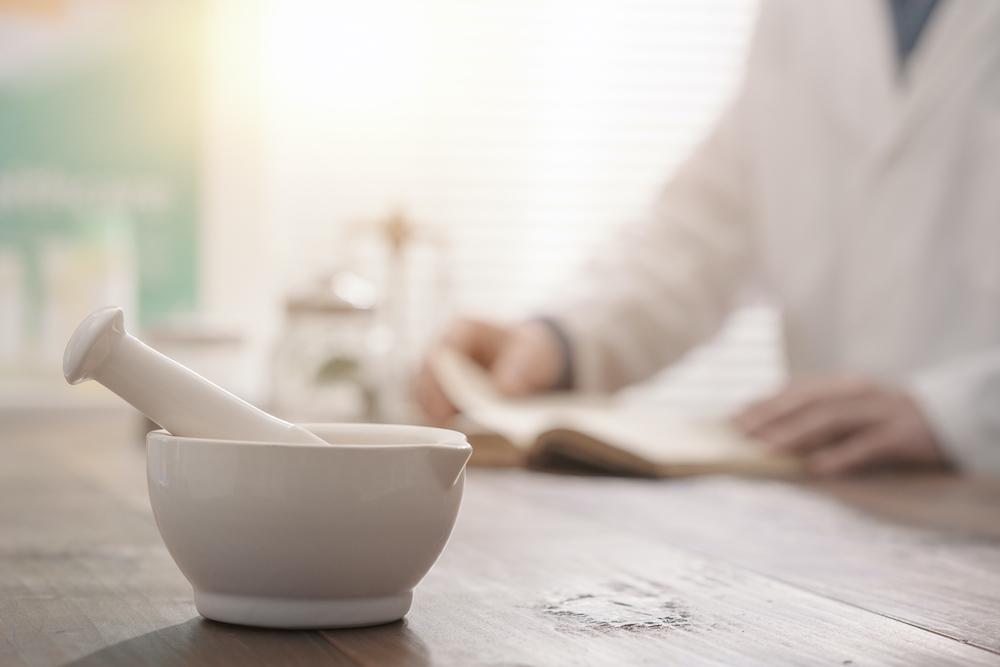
(820, 424)
(480, 341)
(866, 449)
(530, 361)
(524, 366)
(519, 371)
(761, 415)
(431, 398)
(512, 376)
(433, 408)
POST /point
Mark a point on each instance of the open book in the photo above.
(594, 432)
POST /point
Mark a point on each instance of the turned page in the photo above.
(660, 436)
(519, 420)
(647, 432)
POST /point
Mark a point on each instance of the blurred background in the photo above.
(293, 197)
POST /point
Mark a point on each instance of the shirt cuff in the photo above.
(565, 381)
(959, 404)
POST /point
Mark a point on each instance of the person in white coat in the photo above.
(856, 176)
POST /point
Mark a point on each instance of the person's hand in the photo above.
(841, 425)
(522, 359)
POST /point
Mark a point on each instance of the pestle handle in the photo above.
(170, 394)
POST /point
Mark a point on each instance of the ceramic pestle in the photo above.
(170, 394)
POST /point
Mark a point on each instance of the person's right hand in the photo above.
(522, 359)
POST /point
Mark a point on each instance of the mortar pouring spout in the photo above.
(448, 461)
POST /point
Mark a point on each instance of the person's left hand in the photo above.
(841, 425)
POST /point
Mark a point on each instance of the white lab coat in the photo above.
(865, 199)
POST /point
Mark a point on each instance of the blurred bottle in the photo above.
(320, 371)
(11, 309)
(412, 301)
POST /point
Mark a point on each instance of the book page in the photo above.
(660, 436)
(650, 433)
(470, 389)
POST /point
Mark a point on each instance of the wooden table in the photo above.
(541, 570)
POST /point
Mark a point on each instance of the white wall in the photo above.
(238, 268)
(523, 130)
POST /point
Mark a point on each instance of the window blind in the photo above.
(521, 131)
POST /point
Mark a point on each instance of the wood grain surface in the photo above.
(541, 570)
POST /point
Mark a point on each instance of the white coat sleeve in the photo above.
(961, 401)
(666, 282)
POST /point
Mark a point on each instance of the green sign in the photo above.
(100, 135)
